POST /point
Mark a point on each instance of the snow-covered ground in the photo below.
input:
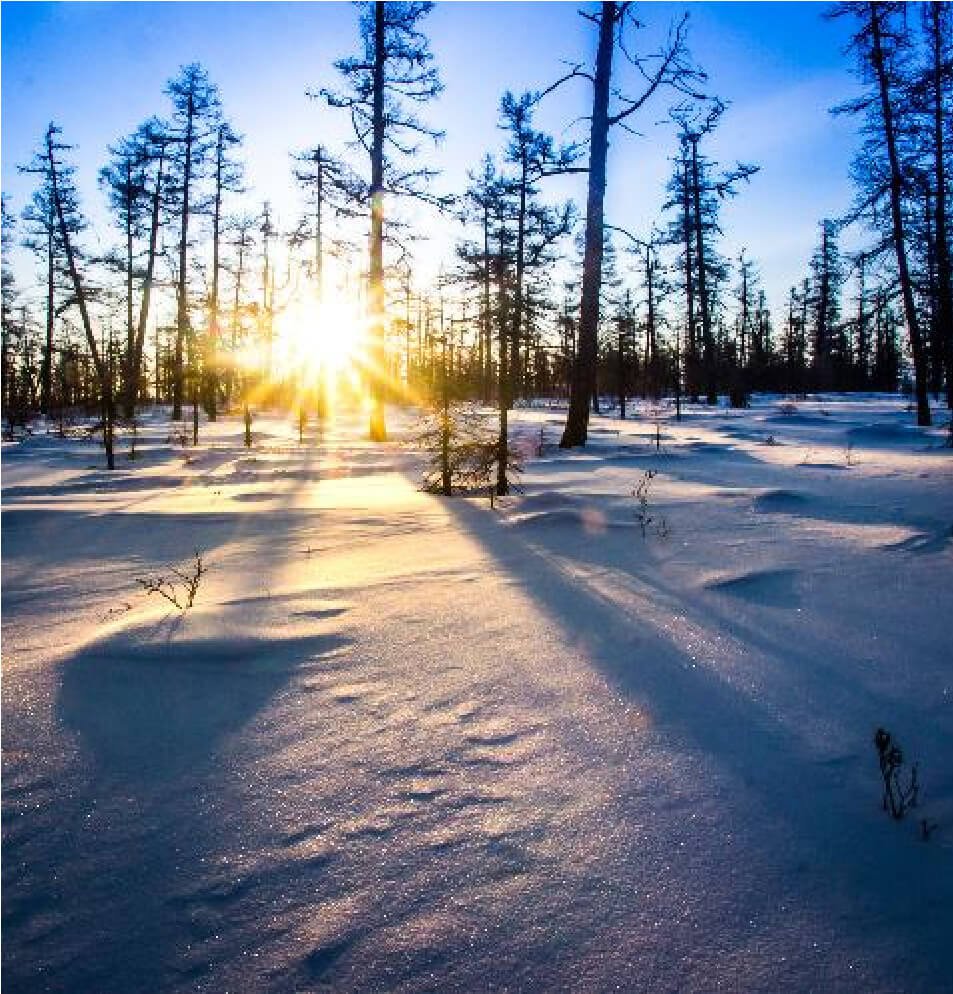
(403, 743)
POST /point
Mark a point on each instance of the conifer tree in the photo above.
(394, 69)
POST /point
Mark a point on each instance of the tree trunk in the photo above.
(47, 381)
(704, 303)
(182, 317)
(651, 364)
(487, 366)
(131, 371)
(584, 368)
(212, 384)
(896, 212)
(132, 387)
(99, 364)
(691, 345)
(235, 308)
(502, 457)
(378, 427)
(517, 327)
(944, 268)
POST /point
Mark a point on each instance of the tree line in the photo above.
(542, 298)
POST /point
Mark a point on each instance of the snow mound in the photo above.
(779, 501)
(924, 542)
(884, 433)
(156, 697)
(553, 509)
(797, 418)
(771, 588)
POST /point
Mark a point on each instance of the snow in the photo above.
(407, 743)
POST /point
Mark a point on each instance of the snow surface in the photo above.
(404, 743)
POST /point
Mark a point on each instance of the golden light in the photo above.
(315, 338)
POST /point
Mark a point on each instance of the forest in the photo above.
(199, 299)
(477, 497)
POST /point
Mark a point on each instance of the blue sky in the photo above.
(98, 69)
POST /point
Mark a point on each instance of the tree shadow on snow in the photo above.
(700, 711)
(158, 707)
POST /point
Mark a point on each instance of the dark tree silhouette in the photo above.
(70, 222)
(395, 67)
(667, 68)
(829, 361)
(533, 156)
(43, 240)
(706, 189)
(227, 178)
(882, 44)
(191, 130)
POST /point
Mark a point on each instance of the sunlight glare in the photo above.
(315, 337)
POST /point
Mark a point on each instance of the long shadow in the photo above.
(805, 657)
(701, 712)
(151, 712)
(94, 860)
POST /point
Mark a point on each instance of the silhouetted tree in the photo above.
(395, 67)
(667, 68)
(70, 222)
(227, 178)
(706, 190)
(882, 44)
(828, 361)
(191, 131)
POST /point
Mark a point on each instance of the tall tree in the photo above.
(396, 67)
(827, 357)
(477, 208)
(882, 46)
(69, 223)
(241, 243)
(933, 99)
(227, 178)
(534, 156)
(706, 189)
(43, 240)
(135, 184)
(667, 68)
(10, 327)
(192, 128)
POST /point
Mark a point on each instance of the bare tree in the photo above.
(534, 156)
(137, 161)
(227, 179)
(42, 239)
(882, 45)
(668, 68)
(395, 67)
(70, 222)
(192, 128)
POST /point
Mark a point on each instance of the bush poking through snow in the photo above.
(246, 416)
(898, 797)
(462, 452)
(180, 587)
(643, 515)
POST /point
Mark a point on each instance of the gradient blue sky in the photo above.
(98, 69)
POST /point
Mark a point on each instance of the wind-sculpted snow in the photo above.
(775, 588)
(409, 744)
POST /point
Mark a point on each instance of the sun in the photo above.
(315, 337)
